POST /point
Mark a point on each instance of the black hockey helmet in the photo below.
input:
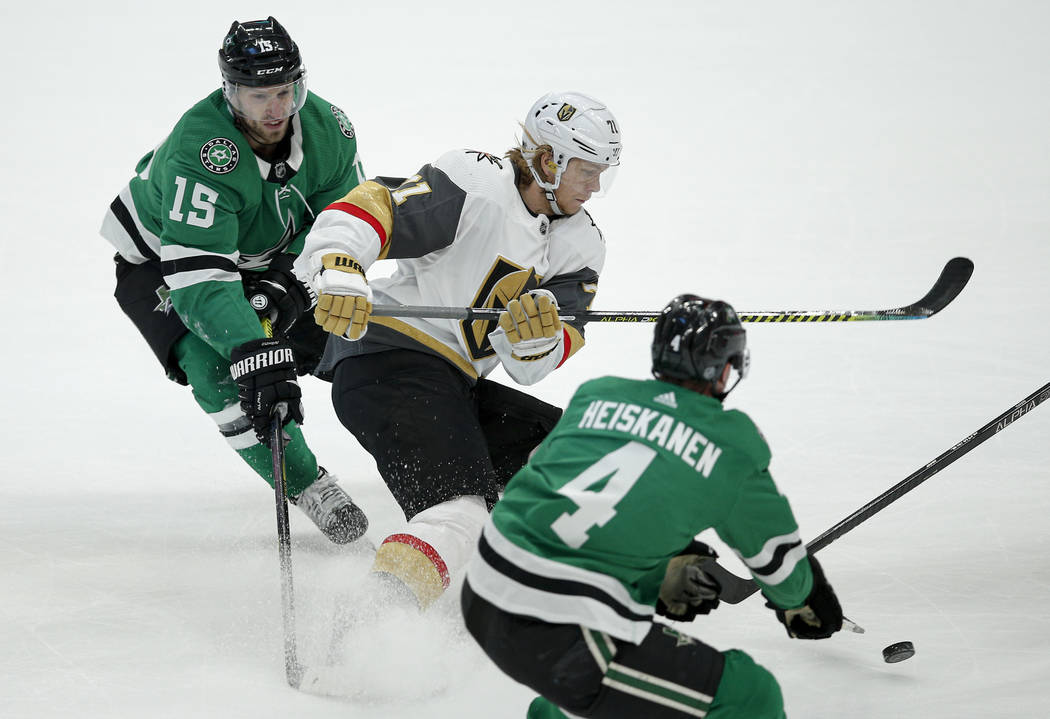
(695, 338)
(259, 54)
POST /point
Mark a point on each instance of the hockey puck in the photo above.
(898, 652)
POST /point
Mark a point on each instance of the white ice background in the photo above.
(804, 155)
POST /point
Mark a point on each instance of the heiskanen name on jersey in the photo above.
(663, 430)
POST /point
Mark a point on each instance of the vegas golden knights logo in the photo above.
(505, 281)
(566, 111)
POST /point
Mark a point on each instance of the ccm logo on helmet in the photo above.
(270, 70)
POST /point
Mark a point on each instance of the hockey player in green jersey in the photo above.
(596, 534)
(206, 233)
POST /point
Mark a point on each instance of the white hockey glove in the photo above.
(532, 325)
(344, 299)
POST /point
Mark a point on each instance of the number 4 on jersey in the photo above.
(623, 468)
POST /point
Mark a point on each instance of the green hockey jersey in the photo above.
(633, 471)
(205, 209)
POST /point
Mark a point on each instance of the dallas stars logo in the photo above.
(345, 125)
(219, 155)
(683, 640)
(262, 259)
(164, 295)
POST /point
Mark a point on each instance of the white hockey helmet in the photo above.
(574, 125)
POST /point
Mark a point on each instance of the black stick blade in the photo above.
(953, 279)
(731, 588)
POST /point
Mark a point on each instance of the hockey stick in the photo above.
(951, 282)
(736, 589)
(292, 669)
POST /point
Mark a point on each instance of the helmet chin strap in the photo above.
(553, 202)
(548, 188)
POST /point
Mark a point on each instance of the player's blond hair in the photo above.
(525, 160)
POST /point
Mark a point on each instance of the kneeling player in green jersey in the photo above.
(596, 534)
(206, 234)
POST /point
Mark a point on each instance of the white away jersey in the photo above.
(462, 237)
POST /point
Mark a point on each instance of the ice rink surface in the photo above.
(808, 155)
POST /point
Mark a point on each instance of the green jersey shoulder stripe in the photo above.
(777, 559)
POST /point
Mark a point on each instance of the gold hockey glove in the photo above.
(532, 325)
(344, 301)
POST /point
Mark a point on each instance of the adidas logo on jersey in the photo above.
(667, 399)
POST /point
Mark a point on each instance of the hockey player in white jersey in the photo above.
(469, 229)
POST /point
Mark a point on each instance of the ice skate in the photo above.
(331, 509)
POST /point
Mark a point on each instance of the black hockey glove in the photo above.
(277, 294)
(687, 590)
(820, 616)
(265, 374)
